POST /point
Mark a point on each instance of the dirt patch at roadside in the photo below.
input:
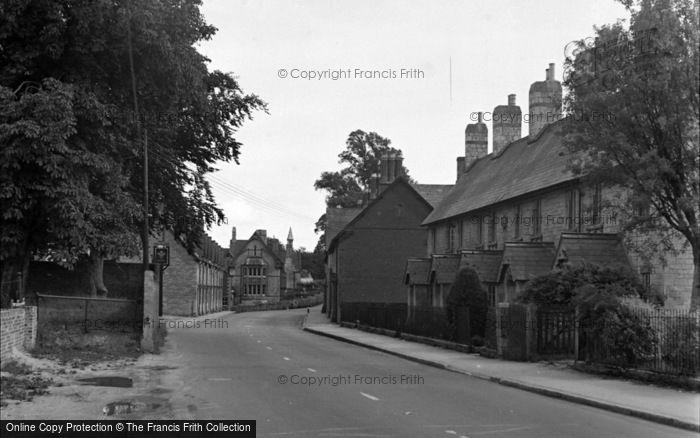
(79, 350)
(77, 376)
(19, 381)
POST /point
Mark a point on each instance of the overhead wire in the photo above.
(243, 193)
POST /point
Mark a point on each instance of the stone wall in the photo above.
(180, 281)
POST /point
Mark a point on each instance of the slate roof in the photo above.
(602, 249)
(522, 167)
(208, 250)
(484, 262)
(417, 270)
(444, 268)
(271, 244)
(527, 260)
(433, 193)
(237, 247)
(276, 247)
(337, 219)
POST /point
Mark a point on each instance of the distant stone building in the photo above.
(522, 202)
(261, 268)
(193, 283)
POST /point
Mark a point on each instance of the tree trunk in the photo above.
(97, 274)
(26, 259)
(13, 282)
(8, 282)
(695, 294)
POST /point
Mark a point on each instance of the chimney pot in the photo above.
(399, 165)
(392, 167)
(373, 185)
(545, 102)
(507, 123)
(384, 172)
(550, 72)
(475, 141)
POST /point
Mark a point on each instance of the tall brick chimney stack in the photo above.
(391, 168)
(398, 165)
(476, 141)
(545, 102)
(373, 186)
(507, 122)
(384, 168)
(391, 174)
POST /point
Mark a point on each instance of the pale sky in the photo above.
(495, 48)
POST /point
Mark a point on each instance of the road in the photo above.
(262, 366)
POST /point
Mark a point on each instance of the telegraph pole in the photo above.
(145, 231)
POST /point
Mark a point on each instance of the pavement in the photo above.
(668, 406)
(263, 366)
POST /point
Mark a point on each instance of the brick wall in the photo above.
(17, 330)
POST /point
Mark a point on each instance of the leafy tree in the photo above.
(313, 263)
(466, 291)
(602, 285)
(55, 187)
(634, 112)
(72, 158)
(601, 296)
(349, 187)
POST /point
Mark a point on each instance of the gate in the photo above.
(556, 332)
(463, 329)
(514, 326)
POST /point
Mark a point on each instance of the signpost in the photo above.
(161, 258)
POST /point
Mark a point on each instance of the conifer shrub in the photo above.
(466, 291)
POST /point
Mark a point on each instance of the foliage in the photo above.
(348, 187)
(84, 86)
(626, 337)
(601, 297)
(21, 382)
(680, 345)
(60, 194)
(582, 285)
(313, 262)
(466, 291)
(634, 110)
